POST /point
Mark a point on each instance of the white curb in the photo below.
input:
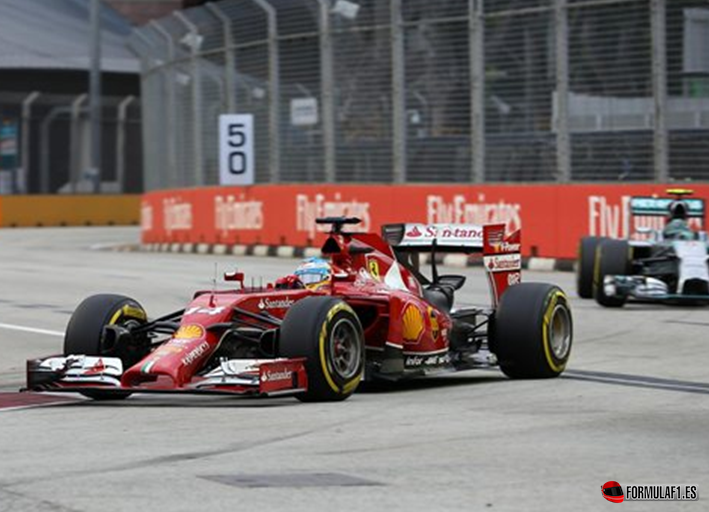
(311, 252)
(285, 251)
(239, 250)
(261, 250)
(220, 249)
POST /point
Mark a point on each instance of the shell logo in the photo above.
(412, 323)
(189, 332)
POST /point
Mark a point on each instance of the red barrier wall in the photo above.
(553, 217)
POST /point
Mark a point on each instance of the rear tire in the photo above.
(585, 265)
(85, 329)
(533, 331)
(328, 334)
(613, 257)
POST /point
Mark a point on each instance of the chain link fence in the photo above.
(53, 134)
(419, 91)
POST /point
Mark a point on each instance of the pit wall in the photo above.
(552, 217)
(69, 210)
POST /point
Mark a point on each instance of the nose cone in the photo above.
(177, 359)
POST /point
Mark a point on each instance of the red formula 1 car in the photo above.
(377, 317)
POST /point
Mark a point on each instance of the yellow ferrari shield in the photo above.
(374, 269)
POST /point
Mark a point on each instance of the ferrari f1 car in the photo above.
(659, 264)
(377, 317)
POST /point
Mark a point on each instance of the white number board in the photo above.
(236, 149)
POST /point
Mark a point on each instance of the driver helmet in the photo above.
(314, 273)
(678, 210)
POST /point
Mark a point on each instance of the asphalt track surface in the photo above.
(632, 407)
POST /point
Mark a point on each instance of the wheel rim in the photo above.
(345, 349)
(560, 332)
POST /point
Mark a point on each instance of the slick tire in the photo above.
(613, 257)
(85, 329)
(585, 266)
(328, 334)
(533, 331)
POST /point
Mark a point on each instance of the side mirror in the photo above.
(454, 281)
(234, 276)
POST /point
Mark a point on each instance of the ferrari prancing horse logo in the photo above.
(374, 269)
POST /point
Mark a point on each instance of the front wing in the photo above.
(646, 289)
(244, 377)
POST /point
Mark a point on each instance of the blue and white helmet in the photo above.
(314, 272)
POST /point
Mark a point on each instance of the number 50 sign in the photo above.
(236, 149)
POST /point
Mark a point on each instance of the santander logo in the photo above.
(275, 304)
(271, 376)
(414, 232)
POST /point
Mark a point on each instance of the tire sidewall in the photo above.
(586, 265)
(522, 331)
(613, 257)
(85, 330)
(555, 298)
(340, 311)
(85, 327)
(306, 332)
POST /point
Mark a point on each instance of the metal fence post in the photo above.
(563, 139)
(398, 90)
(327, 91)
(26, 129)
(75, 143)
(121, 141)
(229, 57)
(169, 123)
(196, 97)
(476, 51)
(274, 84)
(659, 89)
(45, 145)
(95, 99)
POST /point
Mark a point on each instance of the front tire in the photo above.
(533, 331)
(328, 334)
(85, 330)
(613, 258)
(585, 265)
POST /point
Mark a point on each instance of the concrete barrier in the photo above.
(69, 210)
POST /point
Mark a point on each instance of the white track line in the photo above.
(35, 406)
(31, 329)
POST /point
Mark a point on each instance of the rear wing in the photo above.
(466, 238)
(660, 206)
(501, 253)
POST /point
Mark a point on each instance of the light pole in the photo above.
(95, 95)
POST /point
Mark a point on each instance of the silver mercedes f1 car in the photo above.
(667, 264)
